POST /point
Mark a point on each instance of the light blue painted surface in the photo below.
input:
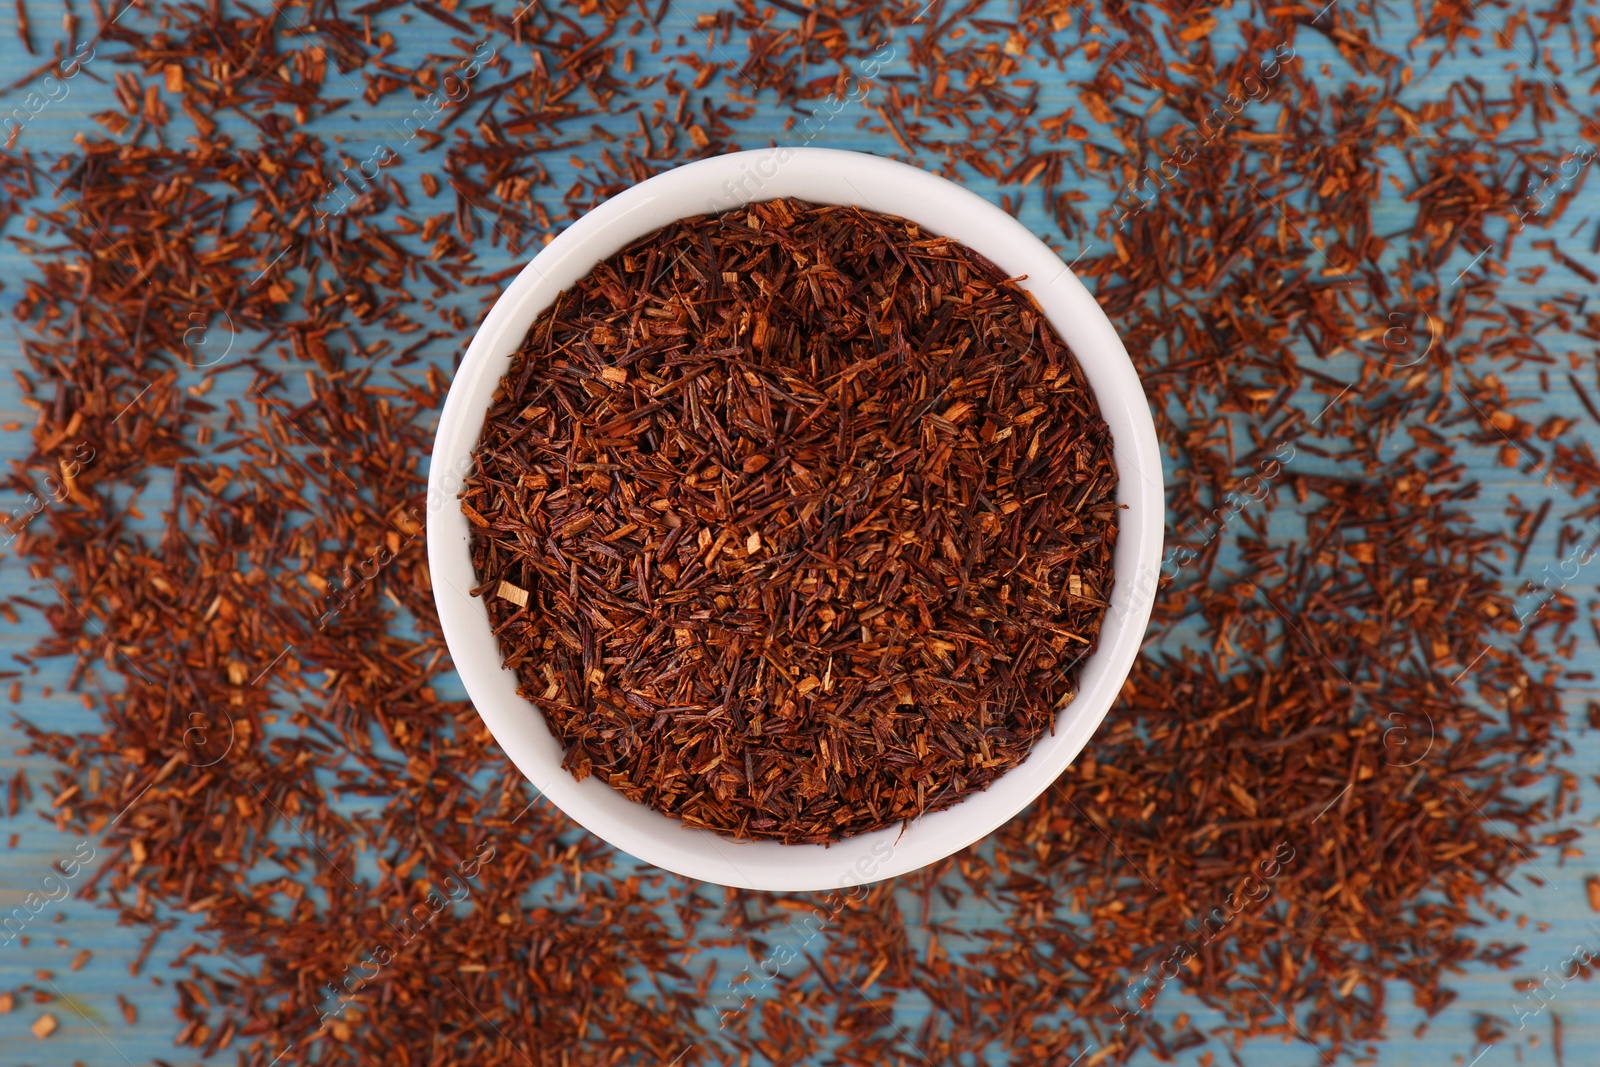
(1558, 916)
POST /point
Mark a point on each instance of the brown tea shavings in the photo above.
(814, 514)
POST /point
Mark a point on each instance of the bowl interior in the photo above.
(820, 176)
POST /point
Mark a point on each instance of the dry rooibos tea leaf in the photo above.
(814, 514)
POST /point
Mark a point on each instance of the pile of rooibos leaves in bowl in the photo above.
(795, 521)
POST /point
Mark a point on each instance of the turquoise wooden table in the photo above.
(115, 1006)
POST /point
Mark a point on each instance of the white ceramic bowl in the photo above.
(829, 177)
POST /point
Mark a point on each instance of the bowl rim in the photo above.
(819, 175)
